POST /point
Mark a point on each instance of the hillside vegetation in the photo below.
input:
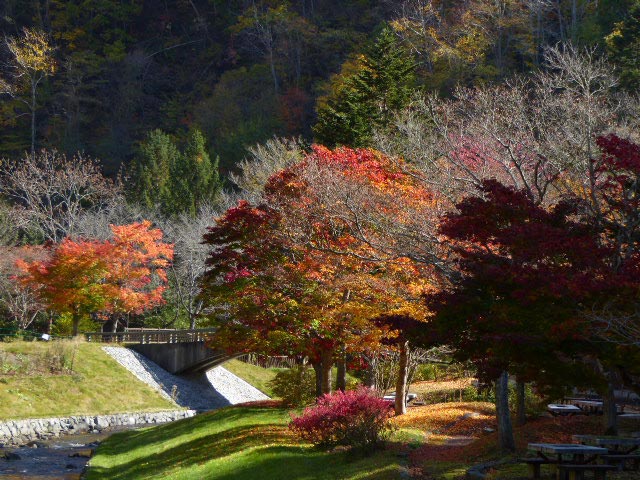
(58, 379)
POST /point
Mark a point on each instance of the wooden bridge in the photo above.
(177, 351)
(151, 335)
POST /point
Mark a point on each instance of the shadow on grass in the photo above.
(220, 446)
(160, 434)
(283, 462)
(198, 451)
(290, 463)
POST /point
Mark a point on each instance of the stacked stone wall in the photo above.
(21, 432)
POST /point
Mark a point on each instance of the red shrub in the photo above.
(355, 418)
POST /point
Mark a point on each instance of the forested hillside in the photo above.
(127, 127)
(242, 71)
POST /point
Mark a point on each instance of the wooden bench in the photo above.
(620, 459)
(576, 472)
(534, 465)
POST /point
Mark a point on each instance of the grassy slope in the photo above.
(99, 385)
(257, 376)
(233, 443)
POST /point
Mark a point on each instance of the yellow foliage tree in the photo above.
(31, 61)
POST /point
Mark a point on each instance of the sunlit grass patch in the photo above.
(93, 383)
(233, 443)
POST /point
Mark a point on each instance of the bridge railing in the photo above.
(150, 336)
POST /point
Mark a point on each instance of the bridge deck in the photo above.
(150, 336)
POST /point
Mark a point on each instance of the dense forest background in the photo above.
(243, 71)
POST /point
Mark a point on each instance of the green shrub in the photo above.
(295, 386)
(533, 403)
(427, 372)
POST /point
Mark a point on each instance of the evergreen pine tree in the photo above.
(195, 178)
(367, 99)
(151, 173)
(623, 46)
(175, 182)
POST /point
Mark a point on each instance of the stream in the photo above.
(61, 458)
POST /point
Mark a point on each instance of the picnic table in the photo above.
(392, 397)
(563, 409)
(571, 460)
(614, 444)
(594, 406)
(590, 406)
(620, 449)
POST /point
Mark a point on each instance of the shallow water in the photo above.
(62, 458)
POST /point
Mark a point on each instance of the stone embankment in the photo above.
(22, 432)
(216, 389)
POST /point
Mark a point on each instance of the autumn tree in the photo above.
(266, 297)
(190, 254)
(20, 302)
(126, 274)
(31, 62)
(537, 134)
(524, 271)
(278, 34)
(49, 192)
(532, 278)
(296, 283)
(263, 161)
(615, 210)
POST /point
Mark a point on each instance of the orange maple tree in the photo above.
(125, 274)
(289, 276)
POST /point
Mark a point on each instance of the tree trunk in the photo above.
(370, 380)
(521, 413)
(401, 380)
(341, 378)
(327, 363)
(317, 368)
(75, 319)
(505, 429)
(33, 119)
(609, 410)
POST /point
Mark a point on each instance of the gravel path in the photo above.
(218, 388)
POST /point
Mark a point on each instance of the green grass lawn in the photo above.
(257, 376)
(97, 385)
(233, 443)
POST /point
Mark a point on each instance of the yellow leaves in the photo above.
(32, 52)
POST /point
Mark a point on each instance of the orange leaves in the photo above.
(126, 274)
(449, 418)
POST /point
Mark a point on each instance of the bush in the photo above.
(427, 372)
(295, 386)
(356, 418)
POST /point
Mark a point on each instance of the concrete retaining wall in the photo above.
(21, 432)
(175, 357)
